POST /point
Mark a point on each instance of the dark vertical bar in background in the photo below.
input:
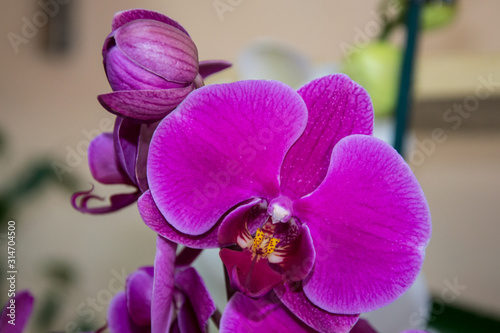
(403, 105)
(57, 36)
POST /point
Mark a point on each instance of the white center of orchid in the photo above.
(280, 214)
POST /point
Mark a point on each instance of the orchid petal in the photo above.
(126, 16)
(178, 62)
(246, 315)
(319, 319)
(144, 105)
(126, 140)
(102, 161)
(163, 287)
(362, 326)
(139, 292)
(23, 307)
(155, 220)
(190, 283)
(224, 144)
(253, 277)
(209, 67)
(186, 318)
(119, 320)
(337, 107)
(369, 221)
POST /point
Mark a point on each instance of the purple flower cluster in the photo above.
(151, 64)
(317, 221)
(165, 298)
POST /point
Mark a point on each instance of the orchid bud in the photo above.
(151, 63)
(146, 54)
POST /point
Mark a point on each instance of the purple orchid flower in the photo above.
(294, 187)
(269, 314)
(244, 314)
(152, 64)
(164, 298)
(16, 312)
(118, 158)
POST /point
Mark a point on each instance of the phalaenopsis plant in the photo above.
(317, 221)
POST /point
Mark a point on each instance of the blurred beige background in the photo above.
(48, 103)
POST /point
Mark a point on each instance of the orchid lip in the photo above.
(263, 243)
(267, 250)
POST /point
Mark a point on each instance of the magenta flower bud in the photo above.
(145, 54)
(152, 64)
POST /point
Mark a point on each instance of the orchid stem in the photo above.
(216, 316)
(187, 256)
(390, 23)
(406, 79)
(229, 290)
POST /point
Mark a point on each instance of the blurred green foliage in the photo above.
(29, 180)
(438, 14)
(27, 183)
(446, 318)
(375, 68)
(376, 64)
